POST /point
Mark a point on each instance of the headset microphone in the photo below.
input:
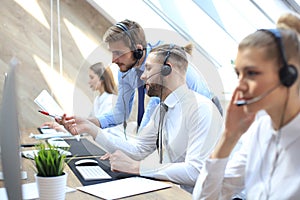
(154, 75)
(255, 99)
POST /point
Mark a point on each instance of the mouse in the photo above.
(86, 162)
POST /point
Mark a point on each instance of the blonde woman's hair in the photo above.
(289, 21)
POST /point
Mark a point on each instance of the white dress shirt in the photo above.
(103, 103)
(192, 127)
(267, 166)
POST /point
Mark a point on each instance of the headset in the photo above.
(166, 68)
(288, 73)
(137, 53)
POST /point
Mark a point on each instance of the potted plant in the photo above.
(50, 176)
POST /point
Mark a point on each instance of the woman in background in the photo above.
(101, 80)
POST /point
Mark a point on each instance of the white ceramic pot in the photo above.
(52, 188)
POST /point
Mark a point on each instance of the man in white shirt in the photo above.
(190, 128)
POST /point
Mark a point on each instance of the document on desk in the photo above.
(31, 153)
(51, 135)
(124, 187)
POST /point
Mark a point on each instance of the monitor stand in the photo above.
(23, 175)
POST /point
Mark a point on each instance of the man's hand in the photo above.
(95, 121)
(120, 162)
(78, 125)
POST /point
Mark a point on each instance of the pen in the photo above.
(77, 137)
(28, 145)
(46, 113)
(44, 127)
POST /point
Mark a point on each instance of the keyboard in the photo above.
(92, 173)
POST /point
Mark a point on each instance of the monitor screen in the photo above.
(10, 136)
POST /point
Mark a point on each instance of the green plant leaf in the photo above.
(48, 161)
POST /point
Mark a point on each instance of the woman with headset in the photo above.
(267, 165)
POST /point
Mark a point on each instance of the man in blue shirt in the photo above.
(127, 43)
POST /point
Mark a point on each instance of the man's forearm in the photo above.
(95, 121)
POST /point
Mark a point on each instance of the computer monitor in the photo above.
(10, 136)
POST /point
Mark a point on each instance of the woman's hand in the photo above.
(55, 125)
(237, 120)
(237, 123)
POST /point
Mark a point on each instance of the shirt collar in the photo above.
(174, 97)
(290, 132)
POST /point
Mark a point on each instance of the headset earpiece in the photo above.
(137, 53)
(288, 74)
(166, 69)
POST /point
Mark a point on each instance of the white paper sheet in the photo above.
(31, 153)
(51, 135)
(58, 142)
(124, 187)
(48, 104)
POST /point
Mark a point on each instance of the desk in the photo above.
(165, 194)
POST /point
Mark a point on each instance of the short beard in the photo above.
(132, 65)
(155, 90)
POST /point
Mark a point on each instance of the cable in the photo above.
(277, 142)
(124, 119)
(160, 126)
